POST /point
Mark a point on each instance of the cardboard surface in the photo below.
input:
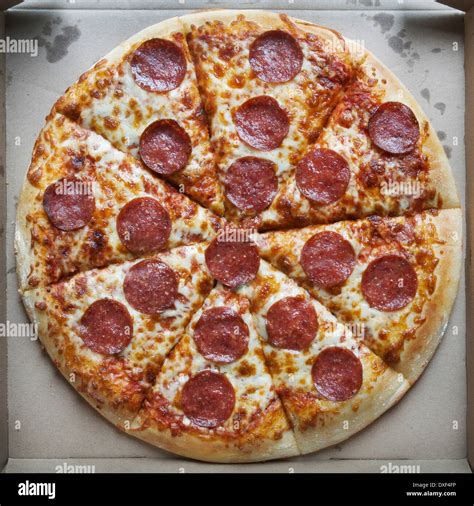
(3, 342)
(469, 65)
(187, 5)
(424, 48)
(131, 465)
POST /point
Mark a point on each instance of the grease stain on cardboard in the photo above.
(382, 20)
(425, 93)
(57, 46)
(364, 3)
(441, 107)
(398, 42)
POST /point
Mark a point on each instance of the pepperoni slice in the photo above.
(292, 323)
(337, 374)
(165, 147)
(69, 203)
(233, 263)
(322, 176)
(151, 286)
(106, 327)
(221, 335)
(143, 225)
(275, 57)
(389, 283)
(394, 128)
(251, 183)
(158, 65)
(208, 399)
(261, 123)
(327, 259)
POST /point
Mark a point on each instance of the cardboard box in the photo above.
(45, 425)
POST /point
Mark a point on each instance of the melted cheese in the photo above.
(113, 105)
(383, 331)
(227, 82)
(291, 369)
(248, 375)
(116, 179)
(153, 336)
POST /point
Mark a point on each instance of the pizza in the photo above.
(239, 237)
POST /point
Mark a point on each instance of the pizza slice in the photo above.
(330, 383)
(378, 154)
(143, 98)
(214, 398)
(85, 204)
(268, 84)
(394, 279)
(108, 330)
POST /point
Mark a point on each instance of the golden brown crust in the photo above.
(267, 20)
(118, 415)
(332, 428)
(417, 352)
(23, 249)
(269, 439)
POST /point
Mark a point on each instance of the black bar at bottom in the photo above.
(238, 489)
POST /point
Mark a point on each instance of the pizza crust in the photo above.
(116, 416)
(417, 352)
(271, 439)
(267, 20)
(23, 251)
(332, 430)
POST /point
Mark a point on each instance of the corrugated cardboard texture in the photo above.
(424, 48)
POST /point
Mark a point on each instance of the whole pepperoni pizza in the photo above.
(239, 237)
